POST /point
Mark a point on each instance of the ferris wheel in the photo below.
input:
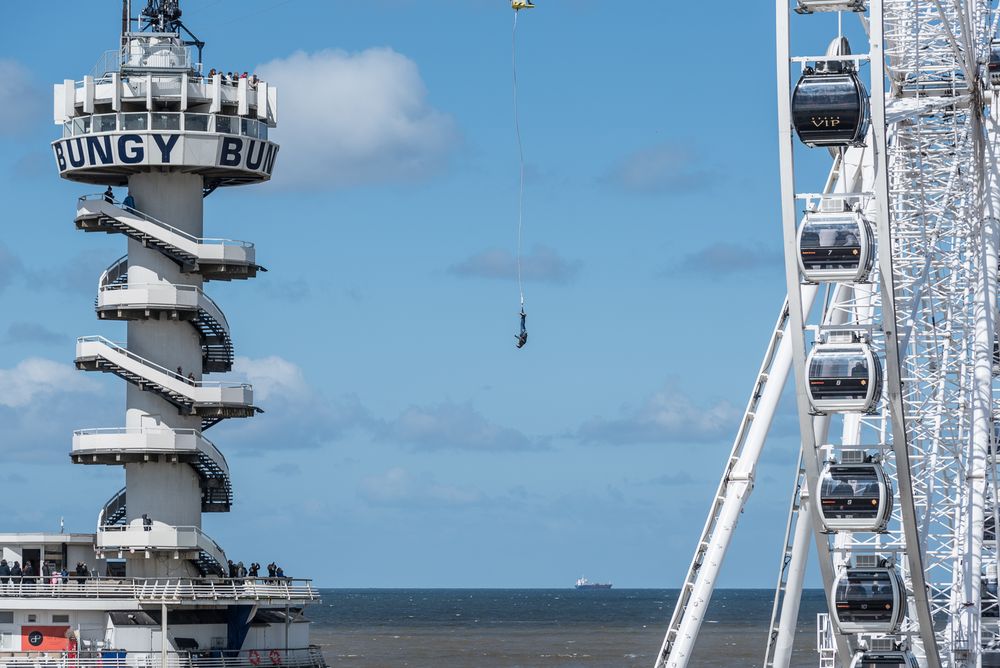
(889, 335)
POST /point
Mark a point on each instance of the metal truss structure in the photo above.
(925, 179)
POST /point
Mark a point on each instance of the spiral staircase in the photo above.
(161, 299)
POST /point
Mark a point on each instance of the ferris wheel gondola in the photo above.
(869, 600)
(885, 660)
(855, 496)
(836, 247)
(830, 105)
(845, 375)
(810, 6)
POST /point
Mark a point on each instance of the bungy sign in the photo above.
(152, 149)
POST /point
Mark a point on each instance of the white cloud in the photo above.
(666, 416)
(725, 258)
(23, 101)
(42, 402)
(659, 169)
(10, 265)
(450, 426)
(36, 378)
(348, 119)
(397, 486)
(296, 415)
(272, 376)
(32, 333)
(542, 264)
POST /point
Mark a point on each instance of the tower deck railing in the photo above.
(165, 121)
(170, 295)
(308, 657)
(160, 589)
(118, 439)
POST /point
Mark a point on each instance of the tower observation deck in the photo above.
(149, 119)
(154, 123)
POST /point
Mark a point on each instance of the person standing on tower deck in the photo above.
(4, 572)
(147, 524)
(109, 195)
(129, 202)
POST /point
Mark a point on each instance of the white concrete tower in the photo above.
(153, 122)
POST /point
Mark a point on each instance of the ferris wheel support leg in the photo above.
(798, 557)
(736, 486)
(796, 577)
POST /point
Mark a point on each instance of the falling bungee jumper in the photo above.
(517, 6)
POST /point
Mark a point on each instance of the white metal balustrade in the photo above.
(123, 445)
(213, 400)
(119, 300)
(249, 98)
(165, 121)
(162, 589)
(136, 537)
(310, 657)
(214, 259)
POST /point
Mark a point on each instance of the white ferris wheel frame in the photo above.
(928, 182)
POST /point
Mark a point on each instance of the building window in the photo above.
(60, 619)
(6, 642)
(32, 618)
(6, 616)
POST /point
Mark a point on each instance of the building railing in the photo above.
(147, 52)
(158, 589)
(116, 505)
(165, 121)
(99, 197)
(172, 439)
(122, 350)
(184, 296)
(310, 657)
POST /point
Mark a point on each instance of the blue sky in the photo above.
(406, 442)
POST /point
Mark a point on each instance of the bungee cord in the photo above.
(522, 336)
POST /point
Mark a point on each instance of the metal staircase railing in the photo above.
(218, 353)
(210, 559)
(222, 400)
(115, 274)
(118, 446)
(214, 259)
(114, 511)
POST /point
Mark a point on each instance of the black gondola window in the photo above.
(851, 492)
(839, 375)
(833, 245)
(866, 597)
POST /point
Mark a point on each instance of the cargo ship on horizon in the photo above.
(584, 583)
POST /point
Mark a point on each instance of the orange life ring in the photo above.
(254, 657)
(275, 657)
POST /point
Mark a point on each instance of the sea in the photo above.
(538, 628)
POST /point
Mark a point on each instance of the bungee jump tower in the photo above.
(157, 590)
